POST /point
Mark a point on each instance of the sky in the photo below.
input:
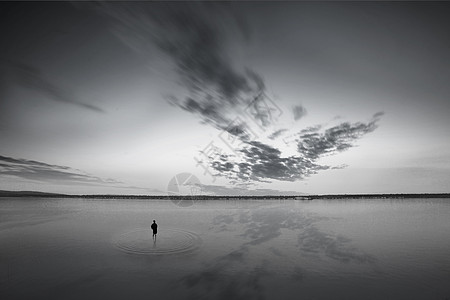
(225, 98)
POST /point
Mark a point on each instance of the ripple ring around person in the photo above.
(171, 241)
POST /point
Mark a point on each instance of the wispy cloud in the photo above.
(30, 77)
(299, 112)
(196, 38)
(277, 133)
(339, 138)
(47, 173)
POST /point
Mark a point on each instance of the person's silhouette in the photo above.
(155, 229)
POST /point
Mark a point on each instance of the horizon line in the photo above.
(24, 193)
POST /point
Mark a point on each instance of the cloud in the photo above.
(378, 114)
(47, 173)
(262, 162)
(311, 129)
(277, 133)
(313, 145)
(299, 112)
(196, 37)
(32, 78)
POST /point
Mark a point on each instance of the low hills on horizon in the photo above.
(5, 193)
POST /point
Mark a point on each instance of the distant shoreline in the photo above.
(212, 197)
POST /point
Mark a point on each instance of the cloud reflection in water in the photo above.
(270, 238)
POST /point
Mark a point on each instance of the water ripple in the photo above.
(169, 241)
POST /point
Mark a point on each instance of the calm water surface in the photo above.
(337, 249)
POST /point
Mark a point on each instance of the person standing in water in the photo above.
(154, 227)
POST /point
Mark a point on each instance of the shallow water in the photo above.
(336, 249)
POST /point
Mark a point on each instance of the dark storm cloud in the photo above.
(196, 38)
(39, 171)
(299, 112)
(32, 78)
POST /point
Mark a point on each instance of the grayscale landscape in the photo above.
(210, 150)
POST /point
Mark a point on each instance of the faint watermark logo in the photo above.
(207, 156)
(235, 134)
(184, 189)
(263, 111)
